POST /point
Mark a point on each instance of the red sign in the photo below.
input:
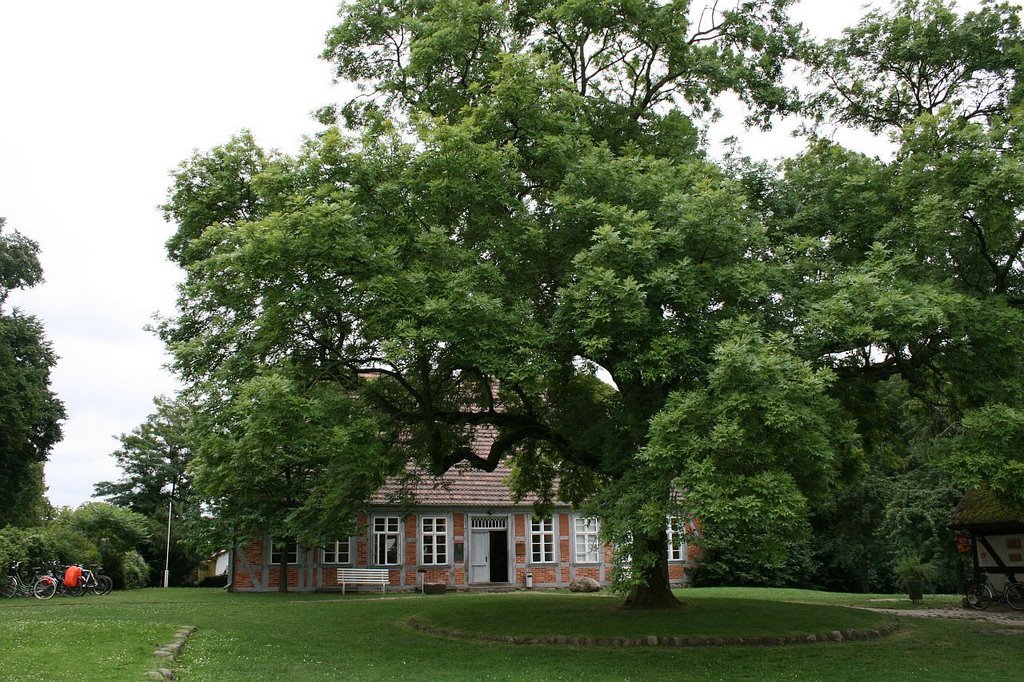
(963, 544)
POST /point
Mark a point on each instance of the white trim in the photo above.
(675, 530)
(446, 546)
(548, 529)
(337, 545)
(386, 532)
(488, 523)
(590, 532)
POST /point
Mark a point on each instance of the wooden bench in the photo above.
(364, 576)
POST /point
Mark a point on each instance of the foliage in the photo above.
(30, 414)
(520, 202)
(520, 205)
(38, 545)
(154, 460)
(133, 569)
(917, 58)
(910, 567)
(117, 533)
(31, 546)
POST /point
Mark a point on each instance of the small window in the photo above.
(586, 539)
(676, 528)
(433, 540)
(278, 548)
(542, 540)
(337, 552)
(386, 540)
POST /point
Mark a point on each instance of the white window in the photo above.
(337, 552)
(386, 540)
(676, 538)
(542, 540)
(433, 540)
(277, 549)
(586, 539)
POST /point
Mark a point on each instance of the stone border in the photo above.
(849, 635)
(168, 653)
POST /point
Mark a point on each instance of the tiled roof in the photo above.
(461, 486)
(980, 508)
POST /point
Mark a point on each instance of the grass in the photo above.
(578, 615)
(314, 637)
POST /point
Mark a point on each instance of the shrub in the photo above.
(134, 571)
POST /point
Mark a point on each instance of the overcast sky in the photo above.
(99, 102)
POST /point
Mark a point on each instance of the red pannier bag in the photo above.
(72, 576)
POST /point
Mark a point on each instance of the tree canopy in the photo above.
(518, 229)
(30, 413)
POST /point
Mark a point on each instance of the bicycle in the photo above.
(94, 583)
(981, 593)
(14, 586)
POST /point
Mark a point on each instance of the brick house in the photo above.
(463, 530)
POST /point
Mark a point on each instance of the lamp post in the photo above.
(167, 557)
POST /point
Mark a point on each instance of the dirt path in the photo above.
(1002, 617)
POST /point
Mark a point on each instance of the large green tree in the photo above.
(521, 204)
(518, 230)
(30, 413)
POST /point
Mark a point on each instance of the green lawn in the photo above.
(313, 637)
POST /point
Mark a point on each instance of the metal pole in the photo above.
(167, 558)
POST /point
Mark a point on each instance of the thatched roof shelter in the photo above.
(981, 511)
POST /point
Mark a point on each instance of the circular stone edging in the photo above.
(848, 635)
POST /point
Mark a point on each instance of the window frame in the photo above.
(675, 532)
(336, 552)
(274, 555)
(538, 535)
(440, 540)
(592, 555)
(376, 534)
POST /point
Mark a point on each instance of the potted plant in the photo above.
(913, 572)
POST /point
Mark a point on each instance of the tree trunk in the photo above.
(282, 582)
(655, 593)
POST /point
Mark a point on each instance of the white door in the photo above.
(479, 557)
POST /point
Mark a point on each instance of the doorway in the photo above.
(488, 550)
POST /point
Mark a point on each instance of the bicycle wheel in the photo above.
(103, 585)
(44, 587)
(9, 588)
(979, 596)
(1014, 595)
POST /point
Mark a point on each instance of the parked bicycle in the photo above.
(981, 593)
(92, 582)
(15, 586)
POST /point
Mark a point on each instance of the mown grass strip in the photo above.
(326, 637)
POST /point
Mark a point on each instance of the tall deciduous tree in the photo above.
(30, 413)
(523, 205)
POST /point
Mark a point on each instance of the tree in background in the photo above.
(908, 274)
(121, 536)
(30, 413)
(154, 460)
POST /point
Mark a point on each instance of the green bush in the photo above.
(134, 571)
(31, 546)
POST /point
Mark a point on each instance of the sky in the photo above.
(99, 102)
